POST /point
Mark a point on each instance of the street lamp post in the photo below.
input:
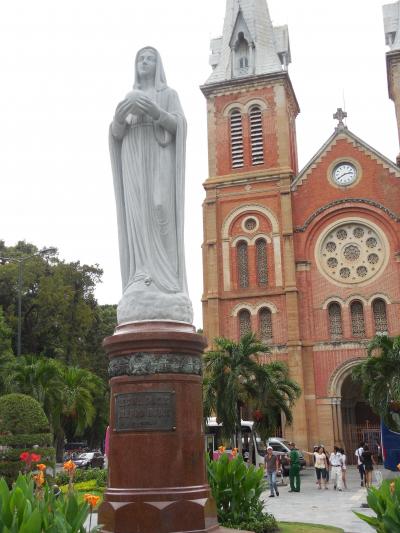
(21, 261)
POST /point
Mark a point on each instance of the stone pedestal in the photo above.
(157, 478)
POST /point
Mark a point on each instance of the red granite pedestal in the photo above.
(157, 478)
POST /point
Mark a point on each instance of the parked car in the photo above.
(90, 460)
(282, 449)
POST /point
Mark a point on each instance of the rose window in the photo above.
(250, 224)
(351, 252)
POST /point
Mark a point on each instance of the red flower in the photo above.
(35, 458)
(25, 456)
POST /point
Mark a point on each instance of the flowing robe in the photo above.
(148, 163)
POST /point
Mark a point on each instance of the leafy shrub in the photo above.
(21, 414)
(23, 426)
(237, 491)
(24, 510)
(81, 475)
(385, 502)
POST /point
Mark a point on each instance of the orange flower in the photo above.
(39, 479)
(392, 487)
(221, 449)
(91, 499)
(41, 467)
(69, 466)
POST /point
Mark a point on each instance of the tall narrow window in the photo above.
(242, 265)
(237, 139)
(265, 321)
(380, 316)
(335, 321)
(244, 322)
(256, 136)
(261, 263)
(357, 319)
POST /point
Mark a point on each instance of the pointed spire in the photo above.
(391, 18)
(250, 45)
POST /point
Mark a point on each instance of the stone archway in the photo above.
(355, 420)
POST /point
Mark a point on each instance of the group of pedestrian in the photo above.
(365, 464)
(327, 467)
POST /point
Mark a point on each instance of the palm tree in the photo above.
(380, 377)
(234, 377)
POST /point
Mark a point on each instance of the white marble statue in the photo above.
(147, 147)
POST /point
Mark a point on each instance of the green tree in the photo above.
(379, 377)
(235, 377)
(58, 304)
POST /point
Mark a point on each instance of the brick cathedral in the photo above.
(308, 259)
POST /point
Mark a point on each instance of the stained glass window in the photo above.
(244, 322)
(256, 136)
(335, 321)
(357, 319)
(237, 139)
(380, 316)
(261, 263)
(265, 322)
(242, 265)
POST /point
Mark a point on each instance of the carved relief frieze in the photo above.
(145, 364)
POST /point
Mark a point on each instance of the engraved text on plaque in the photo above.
(145, 411)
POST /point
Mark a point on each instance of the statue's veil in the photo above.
(160, 81)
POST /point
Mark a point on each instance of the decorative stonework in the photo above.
(351, 252)
(145, 364)
(372, 203)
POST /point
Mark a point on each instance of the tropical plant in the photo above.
(234, 377)
(24, 509)
(385, 502)
(237, 491)
(380, 378)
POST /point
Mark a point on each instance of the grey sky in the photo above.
(66, 64)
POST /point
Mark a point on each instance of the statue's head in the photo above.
(148, 66)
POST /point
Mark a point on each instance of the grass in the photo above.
(297, 527)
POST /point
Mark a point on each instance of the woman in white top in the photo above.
(344, 467)
(321, 466)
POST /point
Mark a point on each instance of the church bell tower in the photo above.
(248, 251)
(391, 17)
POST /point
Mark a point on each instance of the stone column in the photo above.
(157, 478)
(393, 73)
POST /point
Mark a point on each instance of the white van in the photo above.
(213, 439)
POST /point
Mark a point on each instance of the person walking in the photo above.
(336, 462)
(344, 467)
(271, 464)
(368, 461)
(294, 470)
(327, 462)
(360, 464)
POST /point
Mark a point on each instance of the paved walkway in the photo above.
(326, 507)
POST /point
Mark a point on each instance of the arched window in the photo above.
(244, 62)
(265, 324)
(261, 263)
(244, 322)
(357, 319)
(242, 264)
(256, 136)
(380, 316)
(236, 124)
(335, 321)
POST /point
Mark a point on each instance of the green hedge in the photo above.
(81, 475)
(36, 439)
(21, 414)
(23, 428)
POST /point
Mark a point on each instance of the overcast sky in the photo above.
(66, 64)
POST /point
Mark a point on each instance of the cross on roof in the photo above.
(340, 115)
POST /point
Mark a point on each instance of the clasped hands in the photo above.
(136, 103)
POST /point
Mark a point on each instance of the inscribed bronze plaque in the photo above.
(145, 411)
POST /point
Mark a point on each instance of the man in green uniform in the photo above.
(294, 470)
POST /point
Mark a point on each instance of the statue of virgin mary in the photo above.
(147, 147)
